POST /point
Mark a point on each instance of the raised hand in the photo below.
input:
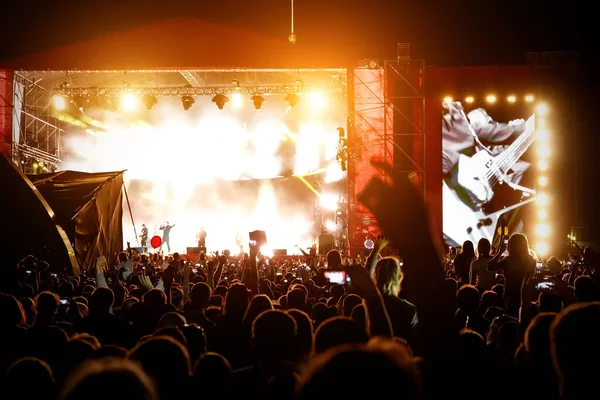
(146, 282)
(381, 243)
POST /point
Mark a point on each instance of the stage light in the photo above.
(542, 230)
(529, 98)
(237, 101)
(149, 101)
(491, 98)
(543, 165)
(544, 151)
(128, 102)
(331, 226)
(35, 165)
(511, 99)
(541, 109)
(220, 100)
(329, 202)
(543, 181)
(292, 99)
(317, 100)
(258, 101)
(542, 215)
(541, 249)
(542, 199)
(542, 135)
(448, 99)
(188, 102)
(59, 102)
(469, 99)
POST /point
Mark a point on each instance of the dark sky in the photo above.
(473, 32)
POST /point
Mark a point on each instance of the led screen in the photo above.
(486, 170)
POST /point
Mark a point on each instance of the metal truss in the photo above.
(39, 132)
(177, 91)
(405, 94)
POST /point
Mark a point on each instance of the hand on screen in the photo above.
(516, 122)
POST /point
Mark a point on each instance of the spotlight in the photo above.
(491, 98)
(529, 98)
(149, 101)
(258, 101)
(220, 101)
(542, 248)
(511, 99)
(542, 230)
(448, 99)
(543, 165)
(317, 100)
(543, 181)
(188, 102)
(292, 99)
(237, 100)
(542, 109)
(469, 99)
(128, 102)
(59, 102)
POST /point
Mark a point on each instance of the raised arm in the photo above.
(380, 244)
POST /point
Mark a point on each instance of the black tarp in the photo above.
(29, 226)
(89, 207)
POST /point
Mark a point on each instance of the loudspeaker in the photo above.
(194, 250)
(279, 252)
(326, 243)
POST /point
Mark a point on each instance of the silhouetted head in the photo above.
(336, 331)
(575, 348)
(200, 294)
(484, 248)
(467, 249)
(518, 246)
(99, 379)
(29, 379)
(259, 304)
(334, 259)
(101, 301)
(274, 336)
(388, 276)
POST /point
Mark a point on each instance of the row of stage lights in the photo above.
(131, 102)
(492, 99)
(543, 228)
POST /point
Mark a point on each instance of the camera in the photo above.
(337, 277)
(545, 286)
(65, 302)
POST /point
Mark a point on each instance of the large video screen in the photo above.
(487, 174)
(223, 171)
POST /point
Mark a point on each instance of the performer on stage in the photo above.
(201, 238)
(144, 236)
(166, 228)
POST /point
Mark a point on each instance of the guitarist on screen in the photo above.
(467, 136)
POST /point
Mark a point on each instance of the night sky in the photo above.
(450, 32)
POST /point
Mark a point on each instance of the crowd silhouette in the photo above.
(487, 324)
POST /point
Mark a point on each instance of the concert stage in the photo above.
(285, 150)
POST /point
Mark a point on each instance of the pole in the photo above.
(131, 215)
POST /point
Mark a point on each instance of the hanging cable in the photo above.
(292, 37)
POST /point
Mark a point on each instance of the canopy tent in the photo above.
(89, 208)
(30, 226)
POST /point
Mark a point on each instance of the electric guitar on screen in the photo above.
(463, 216)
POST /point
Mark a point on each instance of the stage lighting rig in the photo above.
(188, 102)
(342, 149)
(292, 99)
(149, 101)
(220, 100)
(258, 101)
